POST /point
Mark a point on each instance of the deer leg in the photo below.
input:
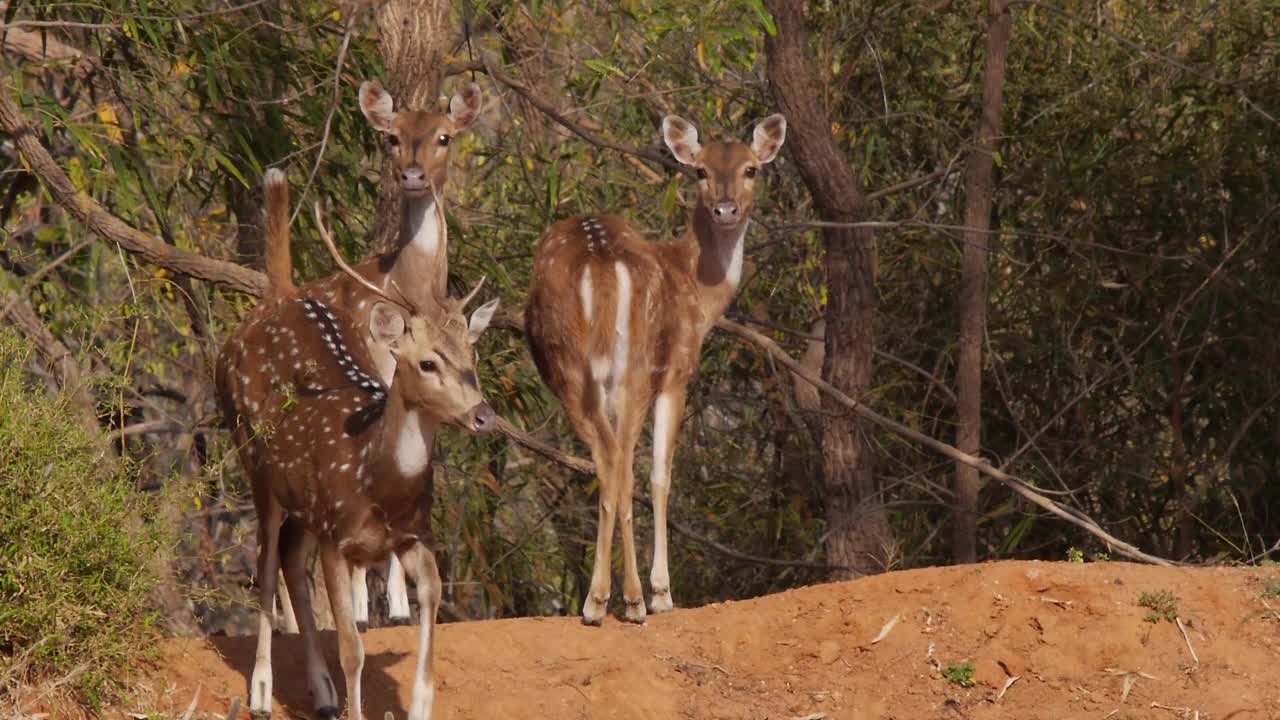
(668, 409)
(270, 515)
(632, 590)
(421, 566)
(360, 597)
(284, 611)
(597, 601)
(324, 695)
(397, 593)
(337, 576)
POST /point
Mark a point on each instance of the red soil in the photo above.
(1068, 632)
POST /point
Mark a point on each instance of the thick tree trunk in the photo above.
(858, 530)
(979, 172)
(414, 36)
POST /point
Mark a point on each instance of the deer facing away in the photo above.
(615, 325)
(346, 457)
(418, 266)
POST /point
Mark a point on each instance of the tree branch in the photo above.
(108, 226)
(1017, 485)
(550, 111)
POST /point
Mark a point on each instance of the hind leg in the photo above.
(270, 515)
(297, 546)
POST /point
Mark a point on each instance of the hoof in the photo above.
(260, 714)
(593, 610)
(362, 626)
(635, 612)
(327, 712)
(661, 602)
(400, 621)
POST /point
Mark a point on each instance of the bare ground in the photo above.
(1072, 634)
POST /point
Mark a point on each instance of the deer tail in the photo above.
(279, 261)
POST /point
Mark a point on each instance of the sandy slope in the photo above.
(1066, 630)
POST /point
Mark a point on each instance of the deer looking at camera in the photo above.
(417, 267)
(345, 457)
(616, 324)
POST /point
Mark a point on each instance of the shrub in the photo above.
(76, 544)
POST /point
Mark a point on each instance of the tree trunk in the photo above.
(858, 530)
(414, 37)
(979, 171)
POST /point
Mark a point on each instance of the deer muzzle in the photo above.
(480, 419)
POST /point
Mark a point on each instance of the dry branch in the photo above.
(108, 226)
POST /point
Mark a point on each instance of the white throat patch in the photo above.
(412, 452)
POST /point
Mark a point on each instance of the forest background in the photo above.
(1043, 233)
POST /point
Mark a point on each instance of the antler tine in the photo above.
(462, 304)
(337, 257)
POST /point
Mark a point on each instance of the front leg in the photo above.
(337, 576)
(397, 593)
(668, 410)
(421, 566)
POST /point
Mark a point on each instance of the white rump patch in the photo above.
(622, 323)
(585, 291)
(411, 449)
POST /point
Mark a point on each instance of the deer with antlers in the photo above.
(345, 456)
(418, 265)
(616, 324)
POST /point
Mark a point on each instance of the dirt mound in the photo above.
(1074, 636)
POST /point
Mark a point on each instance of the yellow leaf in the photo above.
(107, 116)
(702, 56)
(181, 69)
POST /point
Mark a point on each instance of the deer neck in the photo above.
(402, 447)
(716, 252)
(420, 262)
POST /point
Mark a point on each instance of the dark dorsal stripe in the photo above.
(331, 333)
(597, 235)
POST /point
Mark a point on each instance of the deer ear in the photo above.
(681, 138)
(767, 140)
(377, 105)
(464, 108)
(480, 320)
(386, 323)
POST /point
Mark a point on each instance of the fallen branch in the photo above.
(1187, 638)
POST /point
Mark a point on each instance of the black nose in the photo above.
(483, 418)
(725, 211)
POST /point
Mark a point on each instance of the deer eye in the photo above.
(393, 141)
(443, 140)
(701, 173)
(427, 366)
(751, 171)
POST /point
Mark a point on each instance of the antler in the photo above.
(462, 304)
(337, 257)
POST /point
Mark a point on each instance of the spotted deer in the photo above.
(418, 265)
(345, 456)
(616, 324)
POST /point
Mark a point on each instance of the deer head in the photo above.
(435, 363)
(726, 171)
(419, 140)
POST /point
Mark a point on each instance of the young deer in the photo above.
(348, 459)
(616, 324)
(418, 266)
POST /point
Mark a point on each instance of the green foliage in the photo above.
(959, 674)
(76, 543)
(1162, 603)
(1271, 590)
(1074, 555)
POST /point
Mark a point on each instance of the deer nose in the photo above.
(413, 178)
(725, 212)
(482, 419)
